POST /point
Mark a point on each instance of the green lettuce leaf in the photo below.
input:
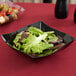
(35, 44)
(15, 41)
(39, 48)
(18, 36)
(52, 37)
(35, 31)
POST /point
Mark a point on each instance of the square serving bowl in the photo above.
(8, 38)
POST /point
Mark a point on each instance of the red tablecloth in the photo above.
(62, 63)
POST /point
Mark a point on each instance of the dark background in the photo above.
(47, 1)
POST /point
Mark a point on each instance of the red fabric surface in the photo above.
(62, 63)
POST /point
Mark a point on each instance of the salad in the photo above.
(36, 43)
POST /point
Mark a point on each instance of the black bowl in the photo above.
(8, 38)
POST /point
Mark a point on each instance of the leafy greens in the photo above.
(37, 41)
